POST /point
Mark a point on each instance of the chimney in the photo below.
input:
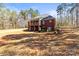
(30, 16)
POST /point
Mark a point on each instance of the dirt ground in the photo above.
(24, 43)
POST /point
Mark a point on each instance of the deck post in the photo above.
(34, 28)
(39, 25)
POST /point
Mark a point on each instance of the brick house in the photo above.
(39, 23)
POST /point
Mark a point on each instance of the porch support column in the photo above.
(39, 24)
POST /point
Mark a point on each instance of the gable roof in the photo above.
(48, 17)
(43, 17)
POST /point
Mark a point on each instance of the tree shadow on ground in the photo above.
(17, 36)
(53, 44)
(25, 30)
(44, 41)
(73, 36)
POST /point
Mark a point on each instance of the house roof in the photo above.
(43, 17)
(48, 17)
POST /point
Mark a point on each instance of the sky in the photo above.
(43, 8)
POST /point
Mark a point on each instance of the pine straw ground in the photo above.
(23, 43)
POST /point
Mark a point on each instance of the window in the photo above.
(49, 29)
(50, 21)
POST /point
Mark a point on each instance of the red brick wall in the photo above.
(49, 23)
